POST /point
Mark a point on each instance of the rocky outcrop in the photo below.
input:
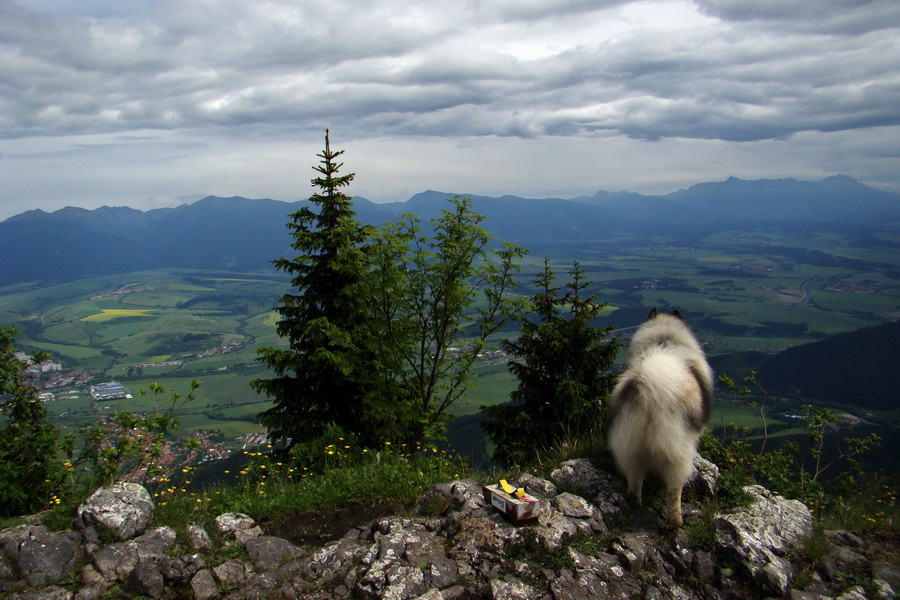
(587, 542)
(758, 538)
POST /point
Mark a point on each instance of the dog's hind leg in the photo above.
(675, 478)
(635, 478)
(673, 504)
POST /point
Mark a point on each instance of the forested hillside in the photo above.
(857, 368)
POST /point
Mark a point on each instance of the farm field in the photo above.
(740, 292)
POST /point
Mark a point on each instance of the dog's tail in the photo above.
(662, 386)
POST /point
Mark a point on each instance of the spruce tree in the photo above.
(323, 317)
(563, 365)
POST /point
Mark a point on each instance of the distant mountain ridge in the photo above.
(243, 234)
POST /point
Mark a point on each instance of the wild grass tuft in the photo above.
(870, 506)
(269, 487)
(591, 446)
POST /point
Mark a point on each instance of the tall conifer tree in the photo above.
(563, 364)
(323, 317)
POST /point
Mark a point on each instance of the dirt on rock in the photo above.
(315, 528)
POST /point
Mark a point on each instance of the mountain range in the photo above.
(243, 234)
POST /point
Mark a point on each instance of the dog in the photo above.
(660, 406)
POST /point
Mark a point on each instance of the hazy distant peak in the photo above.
(238, 233)
(841, 180)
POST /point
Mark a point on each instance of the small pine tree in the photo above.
(563, 365)
(322, 318)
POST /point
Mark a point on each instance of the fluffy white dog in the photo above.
(660, 406)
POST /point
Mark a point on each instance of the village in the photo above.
(53, 382)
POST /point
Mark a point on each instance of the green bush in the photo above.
(30, 471)
(39, 467)
(789, 471)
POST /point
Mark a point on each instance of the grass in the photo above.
(76, 352)
(340, 478)
(870, 507)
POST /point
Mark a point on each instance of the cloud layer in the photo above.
(723, 73)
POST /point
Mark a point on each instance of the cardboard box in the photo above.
(515, 509)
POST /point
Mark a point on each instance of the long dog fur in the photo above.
(660, 406)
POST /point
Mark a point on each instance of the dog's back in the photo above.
(660, 405)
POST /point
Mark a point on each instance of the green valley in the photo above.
(747, 295)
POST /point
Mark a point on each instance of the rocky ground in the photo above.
(587, 542)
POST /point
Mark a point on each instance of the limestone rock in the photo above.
(268, 552)
(541, 488)
(203, 585)
(887, 572)
(124, 508)
(238, 526)
(42, 557)
(115, 562)
(758, 538)
(199, 537)
(581, 477)
(50, 593)
(146, 579)
(704, 478)
(514, 590)
(571, 505)
(232, 573)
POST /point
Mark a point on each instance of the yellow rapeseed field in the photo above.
(108, 314)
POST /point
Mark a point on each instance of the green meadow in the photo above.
(741, 292)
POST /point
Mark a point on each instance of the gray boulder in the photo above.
(405, 561)
(535, 486)
(198, 537)
(514, 590)
(887, 572)
(758, 538)
(115, 562)
(41, 557)
(238, 526)
(50, 593)
(232, 573)
(581, 477)
(704, 478)
(268, 552)
(147, 579)
(124, 509)
(203, 586)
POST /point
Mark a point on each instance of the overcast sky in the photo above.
(152, 103)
